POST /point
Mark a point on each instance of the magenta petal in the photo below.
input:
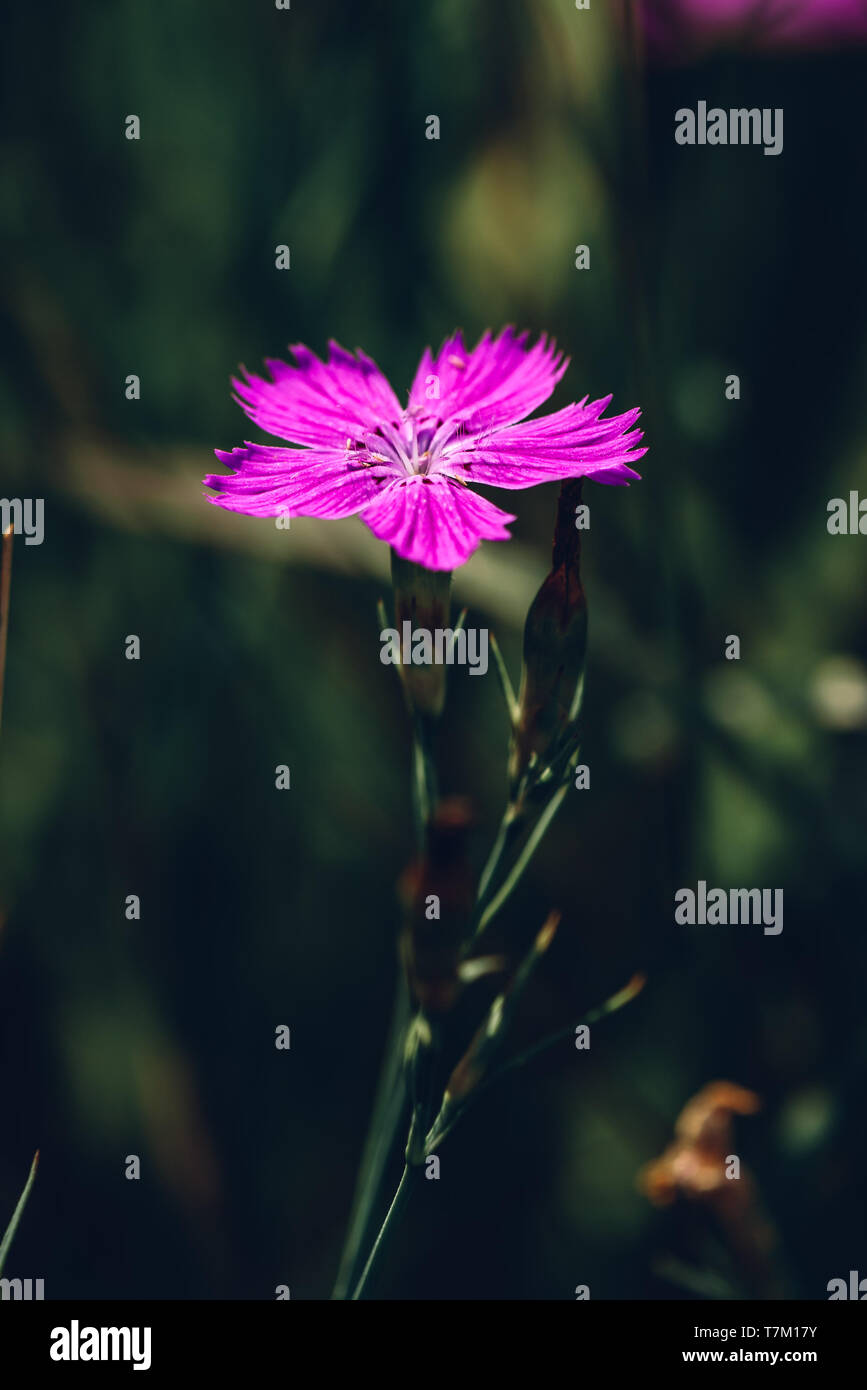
(499, 381)
(573, 443)
(303, 482)
(435, 522)
(319, 403)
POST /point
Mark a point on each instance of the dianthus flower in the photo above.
(409, 472)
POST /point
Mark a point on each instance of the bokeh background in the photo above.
(260, 647)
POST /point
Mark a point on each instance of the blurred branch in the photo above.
(162, 493)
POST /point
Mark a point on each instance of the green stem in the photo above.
(610, 1006)
(390, 1104)
(531, 845)
(424, 781)
(505, 682)
(385, 1233)
(509, 827)
(445, 1121)
(388, 1111)
(17, 1213)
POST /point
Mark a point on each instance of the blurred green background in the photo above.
(260, 647)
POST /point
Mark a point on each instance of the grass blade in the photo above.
(18, 1212)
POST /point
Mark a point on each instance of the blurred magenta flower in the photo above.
(681, 28)
(406, 472)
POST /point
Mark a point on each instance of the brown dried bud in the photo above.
(699, 1166)
(694, 1164)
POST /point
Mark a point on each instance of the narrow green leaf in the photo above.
(17, 1214)
(505, 683)
(533, 840)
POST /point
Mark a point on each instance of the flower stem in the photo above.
(506, 832)
(390, 1105)
(516, 872)
(424, 780)
(9, 1234)
(385, 1233)
(385, 1122)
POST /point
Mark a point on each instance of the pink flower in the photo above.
(406, 472)
(680, 28)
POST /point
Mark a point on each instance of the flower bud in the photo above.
(555, 643)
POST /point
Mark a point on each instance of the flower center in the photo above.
(409, 446)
